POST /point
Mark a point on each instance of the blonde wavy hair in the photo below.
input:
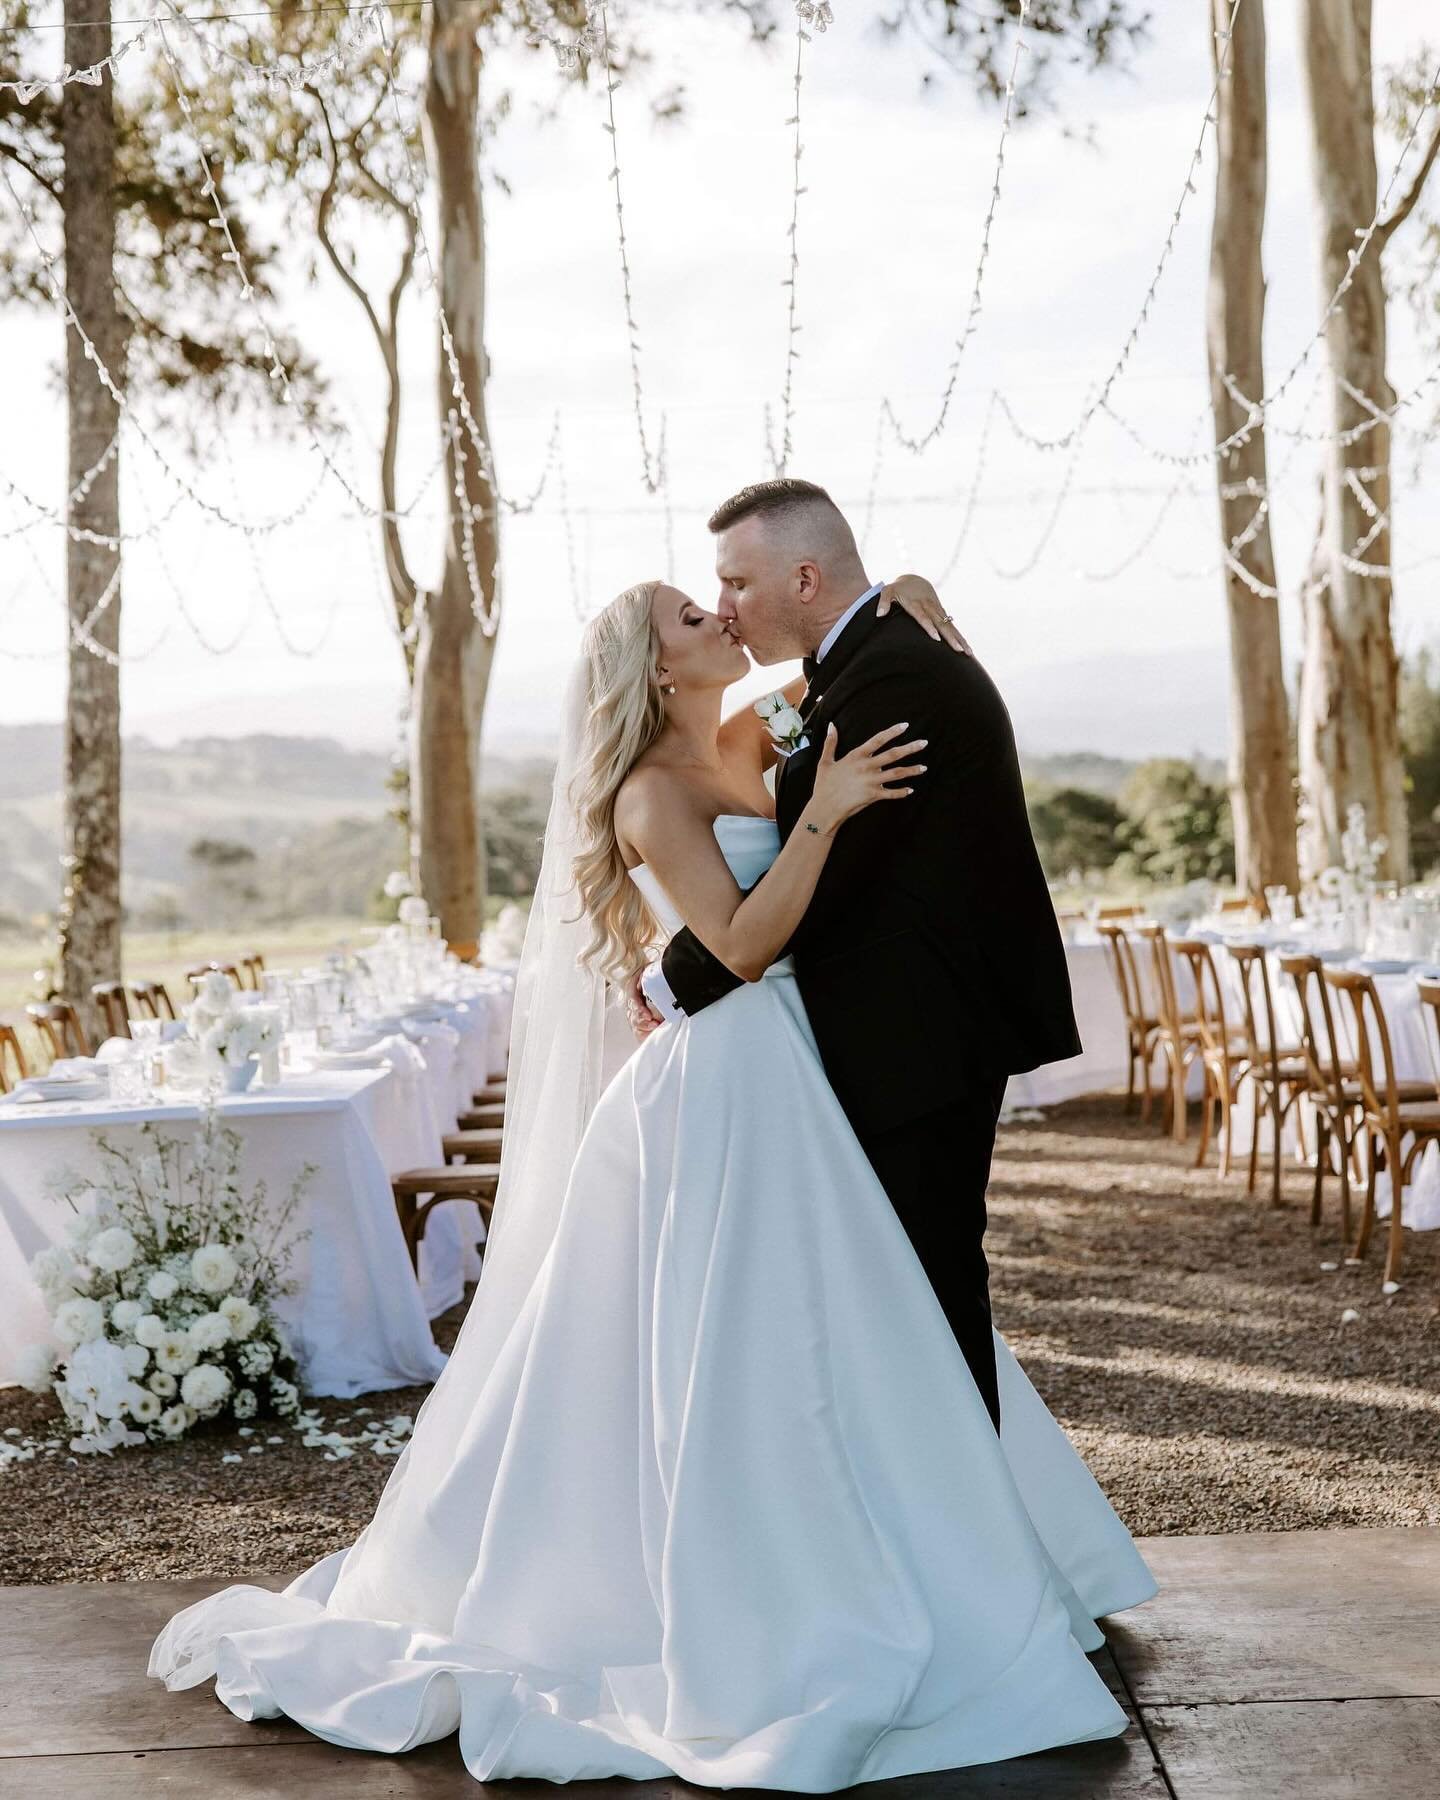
(627, 713)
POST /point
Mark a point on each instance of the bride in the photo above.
(707, 1487)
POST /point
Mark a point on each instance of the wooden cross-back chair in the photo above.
(1142, 1028)
(1222, 1053)
(1334, 1090)
(1386, 1117)
(13, 1066)
(113, 1002)
(151, 1000)
(252, 967)
(1279, 1073)
(59, 1027)
(419, 1191)
(1178, 1033)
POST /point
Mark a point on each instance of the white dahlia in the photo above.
(113, 1249)
(78, 1320)
(213, 1269)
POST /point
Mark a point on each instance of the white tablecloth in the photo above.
(357, 1317)
(1101, 1066)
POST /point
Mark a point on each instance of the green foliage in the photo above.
(1075, 828)
(1177, 825)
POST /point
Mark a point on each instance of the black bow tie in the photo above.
(808, 668)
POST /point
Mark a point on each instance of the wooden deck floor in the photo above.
(1271, 1664)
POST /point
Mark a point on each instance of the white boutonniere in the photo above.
(786, 727)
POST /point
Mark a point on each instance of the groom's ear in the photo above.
(807, 582)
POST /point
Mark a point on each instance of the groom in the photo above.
(930, 961)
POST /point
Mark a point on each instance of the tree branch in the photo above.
(1387, 228)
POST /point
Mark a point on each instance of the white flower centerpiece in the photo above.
(162, 1303)
(233, 1038)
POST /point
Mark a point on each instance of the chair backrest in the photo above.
(1209, 996)
(1373, 1054)
(13, 1067)
(151, 1000)
(196, 975)
(59, 1026)
(1430, 996)
(1131, 910)
(1258, 1003)
(1120, 954)
(1167, 1007)
(1318, 1042)
(253, 967)
(111, 998)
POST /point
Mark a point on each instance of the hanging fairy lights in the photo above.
(918, 443)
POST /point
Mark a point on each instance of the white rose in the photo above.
(213, 1269)
(770, 705)
(175, 1421)
(245, 1404)
(35, 1366)
(397, 885)
(145, 1407)
(211, 1331)
(162, 1286)
(414, 910)
(78, 1320)
(113, 1249)
(239, 1315)
(137, 1359)
(785, 722)
(125, 1315)
(174, 1353)
(164, 1385)
(205, 1388)
(149, 1329)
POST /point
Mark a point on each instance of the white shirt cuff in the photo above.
(658, 992)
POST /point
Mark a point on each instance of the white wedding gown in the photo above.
(729, 1503)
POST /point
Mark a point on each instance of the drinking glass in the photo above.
(130, 1080)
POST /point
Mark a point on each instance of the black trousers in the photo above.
(935, 1171)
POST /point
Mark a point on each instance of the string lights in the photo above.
(917, 444)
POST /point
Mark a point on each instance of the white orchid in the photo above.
(137, 1359)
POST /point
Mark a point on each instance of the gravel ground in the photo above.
(1182, 1331)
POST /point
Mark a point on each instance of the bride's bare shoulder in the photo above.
(653, 795)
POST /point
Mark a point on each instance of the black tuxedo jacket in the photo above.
(929, 958)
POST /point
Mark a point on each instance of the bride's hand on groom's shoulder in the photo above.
(913, 594)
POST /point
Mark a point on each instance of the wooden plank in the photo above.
(1294, 1615)
(1323, 1749)
(72, 1672)
(1119, 1769)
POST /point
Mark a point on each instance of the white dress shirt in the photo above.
(653, 985)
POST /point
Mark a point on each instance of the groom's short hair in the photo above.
(787, 494)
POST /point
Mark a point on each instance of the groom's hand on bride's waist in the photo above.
(642, 1015)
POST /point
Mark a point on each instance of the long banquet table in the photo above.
(358, 1316)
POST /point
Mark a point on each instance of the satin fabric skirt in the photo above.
(727, 1506)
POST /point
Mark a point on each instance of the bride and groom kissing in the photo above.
(729, 1476)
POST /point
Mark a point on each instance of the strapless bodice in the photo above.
(748, 844)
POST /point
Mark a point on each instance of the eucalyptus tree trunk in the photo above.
(1262, 792)
(457, 621)
(89, 913)
(1349, 728)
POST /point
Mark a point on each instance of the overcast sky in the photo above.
(898, 184)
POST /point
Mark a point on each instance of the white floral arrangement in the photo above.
(414, 910)
(398, 884)
(162, 1302)
(1362, 854)
(230, 1035)
(782, 721)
